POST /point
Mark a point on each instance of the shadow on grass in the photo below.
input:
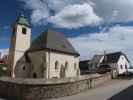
(126, 94)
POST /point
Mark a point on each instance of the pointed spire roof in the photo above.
(53, 41)
(22, 20)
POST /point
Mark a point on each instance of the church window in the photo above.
(78, 72)
(56, 65)
(75, 66)
(23, 67)
(24, 30)
(66, 65)
(34, 75)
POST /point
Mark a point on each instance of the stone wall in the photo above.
(39, 89)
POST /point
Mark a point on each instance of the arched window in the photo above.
(24, 30)
(56, 65)
(23, 68)
(126, 66)
(121, 67)
(75, 66)
(66, 65)
(34, 75)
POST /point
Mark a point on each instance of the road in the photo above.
(120, 89)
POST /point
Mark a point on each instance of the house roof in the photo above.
(96, 59)
(109, 58)
(22, 20)
(113, 57)
(53, 41)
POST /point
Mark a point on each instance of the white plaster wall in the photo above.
(22, 40)
(122, 61)
(17, 56)
(52, 57)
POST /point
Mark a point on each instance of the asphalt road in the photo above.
(120, 89)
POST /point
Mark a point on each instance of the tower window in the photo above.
(24, 30)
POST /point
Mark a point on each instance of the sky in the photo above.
(92, 26)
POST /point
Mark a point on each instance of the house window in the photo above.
(121, 67)
(126, 66)
(56, 65)
(24, 30)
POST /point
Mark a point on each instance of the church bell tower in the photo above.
(20, 42)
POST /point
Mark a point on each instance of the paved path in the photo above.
(113, 88)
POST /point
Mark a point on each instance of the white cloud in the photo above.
(40, 11)
(108, 8)
(75, 16)
(3, 52)
(68, 14)
(118, 38)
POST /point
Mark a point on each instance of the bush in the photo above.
(3, 72)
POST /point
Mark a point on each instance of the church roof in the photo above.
(23, 21)
(53, 41)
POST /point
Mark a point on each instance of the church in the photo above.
(50, 55)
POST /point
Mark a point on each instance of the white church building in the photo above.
(50, 55)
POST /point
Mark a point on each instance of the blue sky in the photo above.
(92, 26)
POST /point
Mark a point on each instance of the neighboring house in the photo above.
(95, 62)
(116, 60)
(90, 66)
(84, 67)
(49, 56)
